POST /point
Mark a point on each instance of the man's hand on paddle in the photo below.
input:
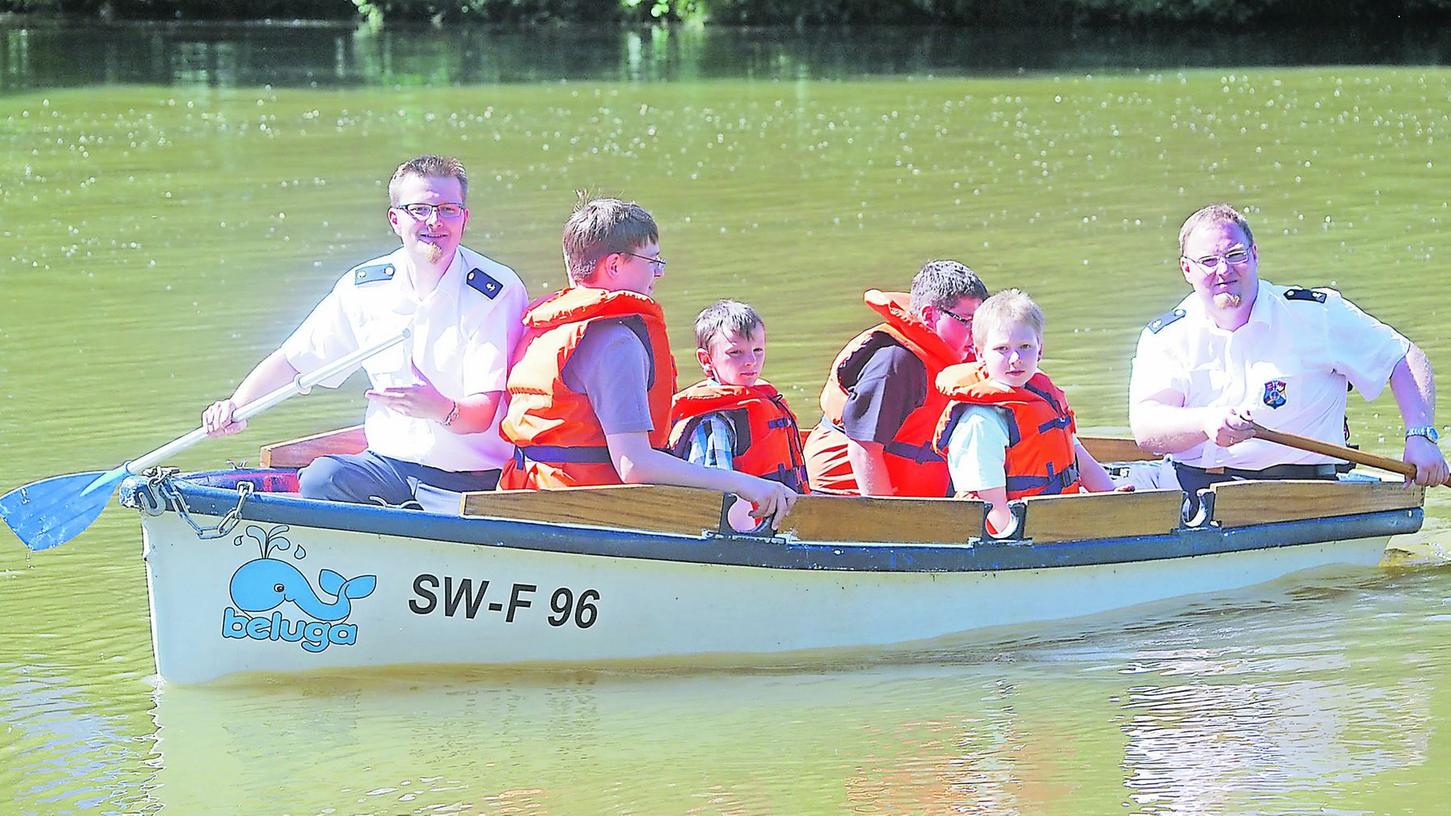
(419, 400)
(217, 419)
(1431, 468)
(1227, 426)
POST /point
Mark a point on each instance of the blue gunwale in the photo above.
(213, 493)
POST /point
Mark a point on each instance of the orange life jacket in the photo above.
(558, 440)
(768, 441)
(915, 469)
(1040, 456)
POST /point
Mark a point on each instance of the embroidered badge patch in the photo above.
(484, 284)
(1275, 393)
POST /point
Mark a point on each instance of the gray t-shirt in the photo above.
(892, 385)
(611, 366)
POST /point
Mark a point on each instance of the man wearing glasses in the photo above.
(1239, 349)
(433, 410)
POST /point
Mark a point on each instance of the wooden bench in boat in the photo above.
(1047, 519)
(299, 453)
(1240, 504)
(692, 511)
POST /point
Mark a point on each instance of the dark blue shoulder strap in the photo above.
(1164, 319)
(373, 272)
(1301, 293)
(484, 283)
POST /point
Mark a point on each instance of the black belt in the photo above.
(1326, 471)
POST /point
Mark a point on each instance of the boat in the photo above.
(247, 577)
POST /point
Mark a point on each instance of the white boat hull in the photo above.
(445, 602)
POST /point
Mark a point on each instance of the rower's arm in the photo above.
(1161, 423)
(637, 463)
(476, 412)
(869, 466)
(1414, 386)
(269, 375)
(1090, 473)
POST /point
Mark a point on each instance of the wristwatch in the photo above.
(1428, 431)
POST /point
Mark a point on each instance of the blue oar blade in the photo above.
(52, 511)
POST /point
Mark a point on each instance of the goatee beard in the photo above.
(1227, 300)
(433, 253)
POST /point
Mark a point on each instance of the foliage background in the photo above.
(768, 12)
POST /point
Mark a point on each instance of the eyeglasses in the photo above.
(658, 263)
(448, 210)
(1211, 262)
(966, 321)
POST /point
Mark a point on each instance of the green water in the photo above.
(167, 223)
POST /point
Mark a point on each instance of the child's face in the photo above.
(734, 359)
(1010, 353)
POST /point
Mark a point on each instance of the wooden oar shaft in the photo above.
(1359, 457)
(300, 384)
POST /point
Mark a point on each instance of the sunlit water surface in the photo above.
(169, 216)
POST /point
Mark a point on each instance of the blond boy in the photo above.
(1007, 431)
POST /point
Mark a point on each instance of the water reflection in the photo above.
(938, 740)
(60, 749)
(42, 55)
(1171, 716)
(1217, 747)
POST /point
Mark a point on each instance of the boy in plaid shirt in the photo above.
(733, 419)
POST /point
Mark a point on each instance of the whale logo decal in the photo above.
(266, 583)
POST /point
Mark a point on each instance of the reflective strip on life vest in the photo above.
(1052, 484)
(920, 454)
(558, 454)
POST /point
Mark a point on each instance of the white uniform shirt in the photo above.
(1288, 366)
(462, 341)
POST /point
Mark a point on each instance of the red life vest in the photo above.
(915, 469)
(558, 440)
(768, 442)
(1040, 457)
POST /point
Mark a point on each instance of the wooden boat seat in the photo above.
(1102, 515)
(690, 511)
(818, 517)
(1240, 504)
(658, 508)
(1116, 449)
(297, 453)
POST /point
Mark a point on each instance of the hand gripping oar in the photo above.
(52, 511)
(1305, 443)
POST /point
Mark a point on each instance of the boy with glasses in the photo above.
(1239, 350)
(879, 407)
(590, 393)
(433, 411)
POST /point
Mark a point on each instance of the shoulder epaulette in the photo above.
(1300, 293)
(372, 273)
(1163, 320)
(484, 283)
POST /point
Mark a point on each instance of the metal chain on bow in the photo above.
(159, 480)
